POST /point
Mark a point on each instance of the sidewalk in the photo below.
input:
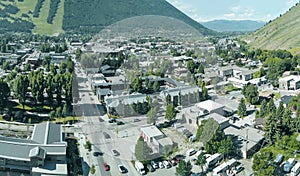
(87, 157)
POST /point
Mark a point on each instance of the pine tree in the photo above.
(242, 109)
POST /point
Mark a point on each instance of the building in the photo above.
(291, 82)
(250, 139)
(188, 95)
(43, 154)
(122, 105)
(211, 107)
(156, 140)
(221, 120)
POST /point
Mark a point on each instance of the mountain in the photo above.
(78, 16)
(281, 33)
(233, 25)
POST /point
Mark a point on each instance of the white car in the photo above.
(115, 152)
(161, 165)
(167, 164)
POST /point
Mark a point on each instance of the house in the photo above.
(107, 70)
(221, 120)
(249, 139)
(43, 154)
(291, 82)
(191, 115)
(211, 107)
(156, 140)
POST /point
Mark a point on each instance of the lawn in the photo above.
(66, 119)
(44, 28)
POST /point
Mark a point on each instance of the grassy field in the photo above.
(41, 25)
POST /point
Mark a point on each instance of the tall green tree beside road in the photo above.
(21, 84)
(142, 151)
(183, 168)
(4, 93)
(201, 160)
(152, 115)
(170, 112)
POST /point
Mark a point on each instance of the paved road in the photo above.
(93, 125)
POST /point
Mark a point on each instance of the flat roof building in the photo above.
(35, 155)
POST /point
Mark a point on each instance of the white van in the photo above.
(140, 167)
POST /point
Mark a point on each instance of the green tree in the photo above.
(137, 84)
(250, 92)
(142, 150)
(183, 168)
(242, 109)
(261, 163)
(20, 88)
(170, 112)
(191, 66)
(201, 160)
(4, 93)
(263, 109)
(156, 86)
(152, 116)
(200, 69)
(271, 108)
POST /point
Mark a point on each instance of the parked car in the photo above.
(122, 169)
(106, 167)
(191, 152)
(154, 164)
(167, 164)
(161, 165)
(120, 123)
(150, 168)
(238, 168)
(112, 120)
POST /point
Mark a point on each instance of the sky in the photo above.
(259, 10)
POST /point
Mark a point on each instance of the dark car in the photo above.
(97, 153)
(107, 136)
(150, 168)
(122, 169)
(120, 123)
(112, 120)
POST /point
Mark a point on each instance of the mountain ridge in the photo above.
(89, 16)
(280, 33)
(223, 25)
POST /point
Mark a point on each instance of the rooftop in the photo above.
(209, 105)
(151, 131)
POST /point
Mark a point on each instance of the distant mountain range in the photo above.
(82, 16)
(233, 25)
(281, 33)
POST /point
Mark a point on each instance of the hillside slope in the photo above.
(78, 16)
(95, 15)
(281, 33)
(233, 25)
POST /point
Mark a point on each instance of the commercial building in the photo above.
(43, 154)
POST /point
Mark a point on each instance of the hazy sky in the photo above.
(205, 10)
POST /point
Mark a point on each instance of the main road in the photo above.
(94, 124)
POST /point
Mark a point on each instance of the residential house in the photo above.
(211, 107)
(291, 82)
(43, 154)
(221, 120)
(249, 139)
(156, 140)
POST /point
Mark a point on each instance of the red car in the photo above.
(106, 167)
